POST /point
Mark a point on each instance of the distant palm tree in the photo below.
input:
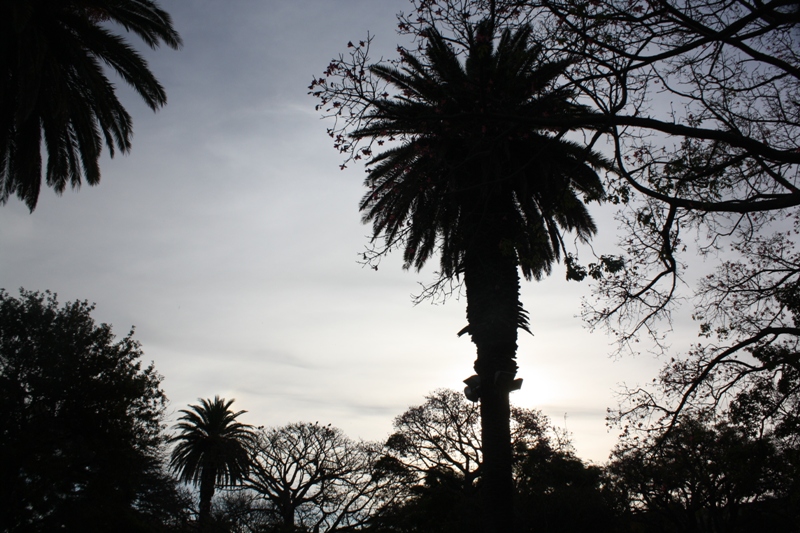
(212, 448)
(53, 87)
(473, 180)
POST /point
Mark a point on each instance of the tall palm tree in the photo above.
(212, 448)
(53, 87)
(473, 180)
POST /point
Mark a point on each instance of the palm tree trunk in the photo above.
(207, 486)
(492, 282)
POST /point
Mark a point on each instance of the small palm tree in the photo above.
(212, 449)
(54, 90)
(476, 182)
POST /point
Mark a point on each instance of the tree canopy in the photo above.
(699, 102)
(436, 445)
(312, 477)
(707, 474)
(81, 432)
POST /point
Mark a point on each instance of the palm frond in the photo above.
(54, 54)
(469, 158)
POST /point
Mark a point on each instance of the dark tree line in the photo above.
(708, 474)
(84, 448)
(312, 477)
(437, 448)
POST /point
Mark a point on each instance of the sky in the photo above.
(230, 239)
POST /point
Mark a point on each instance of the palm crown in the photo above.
(212, 448)
(54, 88)
(210, 438)
(469, 158)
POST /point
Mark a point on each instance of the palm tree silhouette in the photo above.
(212, 448)
(471, 179)
(53, 87)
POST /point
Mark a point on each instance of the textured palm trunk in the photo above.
(207, 486)
(492, 282)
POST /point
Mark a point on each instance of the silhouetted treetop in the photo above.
(81, 434)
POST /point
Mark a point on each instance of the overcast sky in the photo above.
(229, 238)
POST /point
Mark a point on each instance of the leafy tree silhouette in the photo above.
(81, 436)
(436, 450)
(708, 474)
(54, 89)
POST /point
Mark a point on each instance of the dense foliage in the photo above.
(708, 474)
(437, 447)
(81, 427)
(83, 440)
